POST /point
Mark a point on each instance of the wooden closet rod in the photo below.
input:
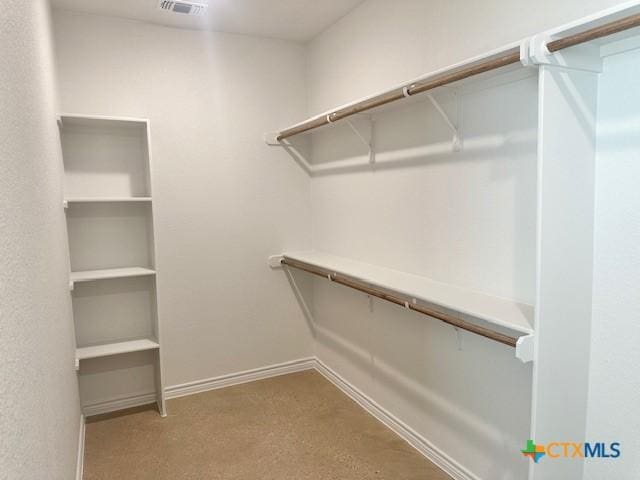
(507, 58)
(607, 29)
(402, 301)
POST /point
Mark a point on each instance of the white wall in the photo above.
(39, 407)
(467, 220)
(378, 45)
(224, 200)
(614, 393)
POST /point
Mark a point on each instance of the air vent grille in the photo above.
(183, 7)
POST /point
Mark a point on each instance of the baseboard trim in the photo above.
(80, 458)
(247, 376)
(118, 404)
(413, 438)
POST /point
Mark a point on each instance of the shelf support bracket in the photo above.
(271, 139)
(366, 138)
(457, 143)
(524, 348)
(275, 262)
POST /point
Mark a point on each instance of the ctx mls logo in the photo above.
(533, 451)
(571, 450)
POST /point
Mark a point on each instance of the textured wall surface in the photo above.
(377, 46)
(224, 200)
(614, 385)
(39, 408)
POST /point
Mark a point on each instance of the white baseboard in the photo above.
(118, 404)
(240, 377)
(413, 438)
(80, 458)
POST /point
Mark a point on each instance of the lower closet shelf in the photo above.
(505, 321)
(108, 349)
(502, 312)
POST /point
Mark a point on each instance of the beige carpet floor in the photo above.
(297, 426)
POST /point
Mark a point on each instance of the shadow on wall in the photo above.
(466, 395)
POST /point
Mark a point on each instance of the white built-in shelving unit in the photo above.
(109, 210)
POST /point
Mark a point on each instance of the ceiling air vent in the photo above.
(188, 8)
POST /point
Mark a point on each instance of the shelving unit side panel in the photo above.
(566, 163)
(159, 371)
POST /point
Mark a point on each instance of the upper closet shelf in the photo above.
(92, 275)
(507, 314)
(82, 120)
(76, 200)
(106, 199)
(605, 28)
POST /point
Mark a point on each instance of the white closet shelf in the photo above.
(506, 313)
(91, 275)
(82, 120)
(106, 199)
(108, 349)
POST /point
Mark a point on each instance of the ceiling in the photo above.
(299, 20)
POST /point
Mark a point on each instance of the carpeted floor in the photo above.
(296, 426)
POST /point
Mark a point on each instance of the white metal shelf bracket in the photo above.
(366, 138)
(271, 139)
(457, 142)
(275, 262)
(524, 348)
(585, 57)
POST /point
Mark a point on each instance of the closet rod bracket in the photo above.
(275, 261)
(534, 52)
(271, 139)
(524, 348)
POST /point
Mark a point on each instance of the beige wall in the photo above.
(380, 44)
(224, 200)
(39, 408)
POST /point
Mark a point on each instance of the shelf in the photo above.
(81, 120)
(108, 349)
(91, 275)
(514, 316)
(107, 199)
